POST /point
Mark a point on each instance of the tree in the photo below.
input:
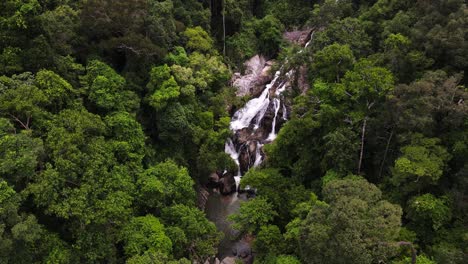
(198, 39)
(59, 92)
(368, 86)
(341, 149)
(421, 259)
(192, 233)
(164, 185)
(253, 215)
(126, 136)
(22, 239)
(348, 31)
(21, 100)
(20, 155)
(167, 92)
(60, 26)
(427, 210)
(267, 182)
(145, 233)
(404, 62)
(269, 241)
(332, 62)
(84, 185)
(420, 164)
(106, 89)
(354, 225)
(269, 31)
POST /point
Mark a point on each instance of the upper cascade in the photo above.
(258, 122)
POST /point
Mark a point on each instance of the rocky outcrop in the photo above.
(256, 75)
(299, 37)
(243, 251)
(202, 197)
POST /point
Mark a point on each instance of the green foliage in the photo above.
(421, 259)
(268, 182)
(341, 150)
(262, 36)
(10, 60)
(60, 26)
(427, 209)
(93, 157)
(269, 241)
(21, 100)
(178, 56)
(167, 92)
(421, 163)
(164, 185)
(106, 89)
(355, 225)
(368, 84)
(58, 91)
(285, 259)
(145, 233)
(20, 155)
(348, 31)
(197, 237)
(127, 136)
(253, 215)
(333, 61)
(198, 39)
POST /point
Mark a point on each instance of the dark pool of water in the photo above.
(218, 208)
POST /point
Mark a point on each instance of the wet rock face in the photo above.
(299, 37)
(248, 154)
(213, 180)
(227, 184)
(255, 78)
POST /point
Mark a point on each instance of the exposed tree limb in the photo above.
(25, 126)
(363, 137)
(385, 154)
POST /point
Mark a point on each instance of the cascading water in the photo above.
(253, 126)
(276, 105)
(255, 109)
(247, 124)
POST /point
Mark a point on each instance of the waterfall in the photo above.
(258, 155)
(255, 108)
(249, 123)
(285, 113)
(276, 104)
(230, 149)
(250, 117)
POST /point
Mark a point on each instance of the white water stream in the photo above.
(276, 105)
(255, 109)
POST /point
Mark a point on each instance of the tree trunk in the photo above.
(224, 27)
(385, 154)
(363, 136)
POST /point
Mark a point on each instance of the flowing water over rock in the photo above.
(257, 124)
(253, 126)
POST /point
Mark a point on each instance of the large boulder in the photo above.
(247, 156)
(229, 260)
(256, 76)
(227, 184)
(213, 180)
